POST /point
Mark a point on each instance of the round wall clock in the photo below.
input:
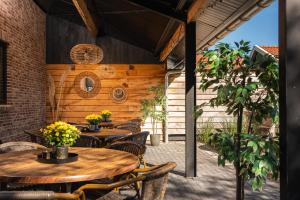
(87, 84)
(86, 54)
(119, 94)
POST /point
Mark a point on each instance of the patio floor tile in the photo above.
(213, 182)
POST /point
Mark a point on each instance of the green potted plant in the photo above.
(60, 135)
(154, 108)
(93, 121)
(106, 114)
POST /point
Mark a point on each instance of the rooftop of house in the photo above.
(274, 50)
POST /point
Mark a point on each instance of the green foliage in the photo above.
(154, 108)
(243, 84)
(259, 156)
(240, 82)
(207, 129)
(60, 134)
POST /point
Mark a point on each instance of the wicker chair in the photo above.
(87, 141)
(19, 146)
(154, 183)
(136, 121)
(39, 195)
(36, 136)
(129, 126)
(139, 138)
(128, 146)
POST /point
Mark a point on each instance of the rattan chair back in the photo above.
(128, 146)
(134, 128)
(88, 141)
(36, 137)
(155, 184)
(19, 146)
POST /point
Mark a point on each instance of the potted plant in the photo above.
(60, 135)
(105, 114)
(93, 121)
(154, 108)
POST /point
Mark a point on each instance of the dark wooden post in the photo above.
(289, 25)
(190, 100)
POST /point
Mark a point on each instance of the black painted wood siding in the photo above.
(62, 35)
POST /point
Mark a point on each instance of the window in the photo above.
(3, 81)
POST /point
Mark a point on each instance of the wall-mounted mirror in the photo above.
(87, 84)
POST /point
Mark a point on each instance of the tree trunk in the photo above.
(238, 146)
(243, 188)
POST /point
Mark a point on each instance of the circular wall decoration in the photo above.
(119, 94)
(107, 71)
(86, 54)
(87, 84)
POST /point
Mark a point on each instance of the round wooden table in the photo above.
(92, 164)
(108, 133)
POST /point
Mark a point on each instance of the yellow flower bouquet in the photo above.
(106, 115)
(60, 134)
(93, 119)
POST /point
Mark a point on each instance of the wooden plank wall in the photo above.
(137, 80)
(176, 106)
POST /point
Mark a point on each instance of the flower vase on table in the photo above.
(106, 114)
(93, 121)
(60, 135)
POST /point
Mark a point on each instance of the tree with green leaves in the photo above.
(243, 84)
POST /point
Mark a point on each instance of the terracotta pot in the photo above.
(155, 139)
(61, 152)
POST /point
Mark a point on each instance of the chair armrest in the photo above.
(109, 186)
(146, 169)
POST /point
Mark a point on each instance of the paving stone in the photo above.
(213, 182)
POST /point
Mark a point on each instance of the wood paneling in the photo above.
(176, 107)
(137, 79)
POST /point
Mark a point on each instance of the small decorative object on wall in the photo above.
(119, 94)
(86, 54)
(87, 84)
(107, 71)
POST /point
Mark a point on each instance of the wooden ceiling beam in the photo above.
(160, 9)
(178, 35)
(86, 16)
(171, 22)
(172, 43)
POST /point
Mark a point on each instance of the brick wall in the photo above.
(22, 25)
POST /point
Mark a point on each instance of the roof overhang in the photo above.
(219, 18)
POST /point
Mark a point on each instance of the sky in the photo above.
(261, 29)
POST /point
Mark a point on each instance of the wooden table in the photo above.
(105, 133)
(92, 164)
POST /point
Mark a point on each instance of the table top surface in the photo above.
(107, 132)
(92, 164)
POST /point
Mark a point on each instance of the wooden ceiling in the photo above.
(157, 25)
(126, 20)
